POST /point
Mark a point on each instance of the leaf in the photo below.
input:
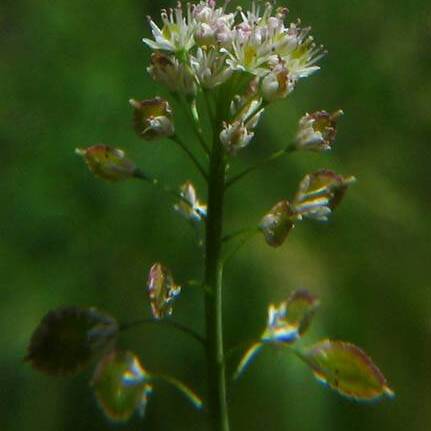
(68, 338)
(162, 290)
(300, 309)
(121, 386)
(347, 369)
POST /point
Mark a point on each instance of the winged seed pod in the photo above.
(190, 207)
(277, 224)
(108, 163)
(286, 323)
(317, 131)
(162, 291)
(121, 386)
(319, 193)
(152, 118)
(68, 338)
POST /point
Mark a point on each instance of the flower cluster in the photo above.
(203, 46)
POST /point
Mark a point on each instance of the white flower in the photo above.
(317, 131)
(262, 40)
(278, 83)
(210, 67)
(177, 32)
(235, 136)
(213, 25)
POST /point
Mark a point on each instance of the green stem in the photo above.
(192, 157)
(238, 233)
(260, 164)
(155, 182)
(166, 322)
(217, 404)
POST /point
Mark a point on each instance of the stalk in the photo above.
(217, 404)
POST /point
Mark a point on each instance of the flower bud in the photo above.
(190, 207)
(317, 131)
(162, 291)
(176, 76)
(277, 224)
(277, 84)
(152, 118)
(107, 162)
(235, 136)
(319, 193)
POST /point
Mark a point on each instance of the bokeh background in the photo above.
(67, 70)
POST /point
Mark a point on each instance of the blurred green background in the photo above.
(66, 73)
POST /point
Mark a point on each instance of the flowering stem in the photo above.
(192, 157)
(167, 322)
(181, 387)
(196, 124)
(217, 405)
(155, 182)
(240, 232)
(261, 163)
(250, 235)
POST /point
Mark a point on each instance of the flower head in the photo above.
(176, 33)
(262, 39)
(317, 131)
(210, 67)
(213, 25)
(206, 44)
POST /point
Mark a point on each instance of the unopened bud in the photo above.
(277, 84)
(176, 76)
(317, 131)
(162, 291)
(152, 118)
(107, 162)
(235, 136)
(319, 193)
(277, 224)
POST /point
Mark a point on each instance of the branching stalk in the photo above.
(260, 164)
(217, 404)
(192, 157)
(164, 322)
(166, 189)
